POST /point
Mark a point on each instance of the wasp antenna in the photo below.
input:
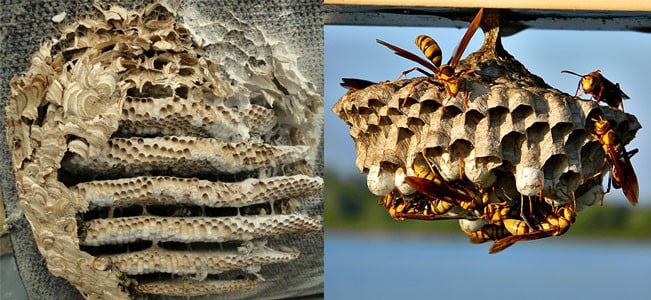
(570, 72)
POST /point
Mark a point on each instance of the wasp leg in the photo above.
(465, 91)
(601, 171)
(466, 95)
(419, 82)
(409, 71)
(576, 93)
(598, 96)
(438, 95)
(422, 153)
(522, 215)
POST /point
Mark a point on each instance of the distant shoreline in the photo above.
(423, 236)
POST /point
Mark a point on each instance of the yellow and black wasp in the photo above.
(444, 195)
(556, 221)
(460, 192)
(622, 174)
(442, 74)
(417, 207)
(600, 88)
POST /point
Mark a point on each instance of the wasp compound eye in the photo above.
(148, 164)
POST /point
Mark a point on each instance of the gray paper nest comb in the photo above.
(146, 167)
(515, 133)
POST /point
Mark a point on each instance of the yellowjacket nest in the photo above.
(131, 148)
(507, 129)
(478, 156)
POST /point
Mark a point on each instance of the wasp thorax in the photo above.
(446, 72)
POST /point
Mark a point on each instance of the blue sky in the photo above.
(351, 51)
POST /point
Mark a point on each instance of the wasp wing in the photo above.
(408, 55)
(355, 84)
(623, 175)
(506, 242)
(607, 82)
(438, 191)
(629, 183)
(624, 96)
(456, 57)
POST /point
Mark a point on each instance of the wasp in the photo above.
(418, 208)
(556, 222)
(541, 221)
(442, 74)
(435, 196)
(600, 88)
(461, 192)
(622, 174)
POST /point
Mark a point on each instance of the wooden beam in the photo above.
(541, 14)
(593, 5)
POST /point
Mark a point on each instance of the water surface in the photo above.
(381, 266)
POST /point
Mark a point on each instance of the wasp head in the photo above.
(601, 125)
(587, 83)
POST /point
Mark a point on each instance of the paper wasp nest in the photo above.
(515, 131)
(146, 167)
